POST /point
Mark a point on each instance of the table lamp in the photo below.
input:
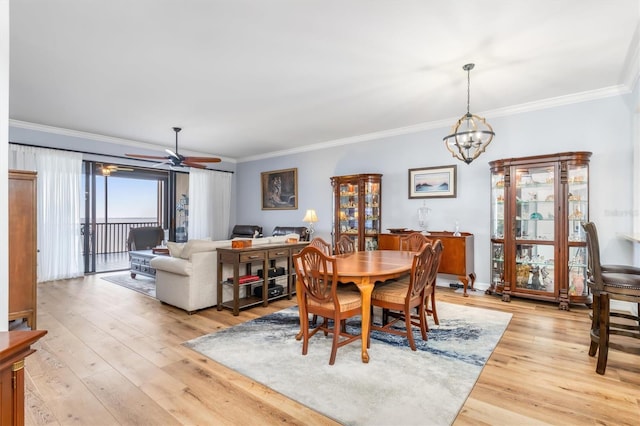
(311, 218)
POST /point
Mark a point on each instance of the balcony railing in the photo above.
(112, 237)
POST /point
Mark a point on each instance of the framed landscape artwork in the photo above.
(280, 189)
(433, 182)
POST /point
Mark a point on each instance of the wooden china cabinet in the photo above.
(356, 205)
(538, 247)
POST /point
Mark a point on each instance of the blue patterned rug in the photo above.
(398, 386)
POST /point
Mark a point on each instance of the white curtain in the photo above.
(59, 198)
(209, 204)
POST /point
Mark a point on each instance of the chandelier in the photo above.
(471, 135)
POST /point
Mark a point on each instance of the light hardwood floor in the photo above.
(113, 356)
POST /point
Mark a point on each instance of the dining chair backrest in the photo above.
(413, 241)
(317, 273)
(437, 248)
(421, 270)
(345, 245)
(321, 245)
(594, 273)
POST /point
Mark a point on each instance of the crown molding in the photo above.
(500, 112)
(99, 138)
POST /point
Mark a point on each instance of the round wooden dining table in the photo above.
(364, 269)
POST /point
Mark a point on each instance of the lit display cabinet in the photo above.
(538, 248)
(356, 205)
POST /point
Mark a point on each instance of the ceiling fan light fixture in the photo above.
(471, 134)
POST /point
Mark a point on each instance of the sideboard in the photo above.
(256, 260)
(457, 256)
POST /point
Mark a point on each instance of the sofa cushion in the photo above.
(302, 231)
(246, 231)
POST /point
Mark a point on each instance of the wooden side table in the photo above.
(15, 346)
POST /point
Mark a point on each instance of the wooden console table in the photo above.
(457, 256)
(15, 346)
(264, 256)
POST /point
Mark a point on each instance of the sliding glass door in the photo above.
(118, 198)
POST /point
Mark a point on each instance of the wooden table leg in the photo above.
(366, 287)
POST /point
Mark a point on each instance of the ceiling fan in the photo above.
(107, 169)
(174, 159)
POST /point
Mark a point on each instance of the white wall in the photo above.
(4, 136)
(603, 127)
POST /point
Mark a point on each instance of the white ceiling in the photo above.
(249, 78)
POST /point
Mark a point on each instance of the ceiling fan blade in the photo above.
(203, 159)
(171, 153)
(191, 164)
(151, 157)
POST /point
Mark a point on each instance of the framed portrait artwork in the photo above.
(280, 189)
(433, 182)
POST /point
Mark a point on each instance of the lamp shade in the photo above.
(310, 216)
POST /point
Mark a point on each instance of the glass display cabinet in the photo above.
(356, 205)
(538, 247)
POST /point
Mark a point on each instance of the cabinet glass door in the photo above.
(535, 267)
(371, 215)
(497, 206)
(578, 187)
(497, 265)
(349, 209)
(535, 203)
(577, 211)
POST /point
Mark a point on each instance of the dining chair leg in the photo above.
(407, 323)
(603, 345)
(434, 312)
(595, 325)
(336, 339)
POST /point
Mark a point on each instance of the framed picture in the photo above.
(280, 189)
(433, 182)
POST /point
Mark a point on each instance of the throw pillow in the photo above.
(175, 249)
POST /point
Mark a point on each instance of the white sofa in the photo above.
(187, 277)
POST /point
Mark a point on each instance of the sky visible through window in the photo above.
(130, 200)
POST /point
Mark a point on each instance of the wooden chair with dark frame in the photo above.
(611, 329)
(345, 245)
(399, 298)
(321, 295)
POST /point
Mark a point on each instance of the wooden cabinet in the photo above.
(256, 260)
(139, 261)
(538, 248)
(15, 346)
(457, 254)
(356, 205)
(22, 246)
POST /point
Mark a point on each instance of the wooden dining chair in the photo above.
(399, 298)
(321, 245)
(430, 299)
(412, 241)
(321, 295)
(607, 282)
(345, 245)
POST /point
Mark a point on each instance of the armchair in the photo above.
(145, 237)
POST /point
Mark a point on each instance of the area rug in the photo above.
(398, 386)
(140, 283)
